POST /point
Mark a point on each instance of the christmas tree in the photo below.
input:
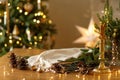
(25, 24)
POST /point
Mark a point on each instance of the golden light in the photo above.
(35, 37)
(5, 45)
(8, 4)
(10, 41)
(35, 43)
(17, 42)
(18, 8)
(26, 13)
(1, 33)
(20, 11)
(0, 20)
(44, 16)
(35, 14)
(10, 37)
(50, 21)
(20, 39)
(89, 36)
(40, 37)
(38, 21)
(41, 13)
(34, 20)
(30, 43)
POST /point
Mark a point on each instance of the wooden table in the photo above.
(8, 73)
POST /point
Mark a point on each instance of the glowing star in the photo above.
(89, 36)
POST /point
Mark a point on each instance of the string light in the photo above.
(5, 45)
(10, 41)
(17, 42)
(41, 13)
(20, 11)
(26, 13)
(20, 39)
(50, 21)
(35, 43)
(0, 20)
(35, 14)
(18, 8)
(8, 4)
(34, 20)
(1, 33)
(38, 21)
(44, 16)
(40, 37)
(30, 43)
(10, 37)
(35, 37)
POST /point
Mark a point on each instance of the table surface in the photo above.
(8, 73)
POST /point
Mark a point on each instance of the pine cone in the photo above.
(22, 64)
(13, 60)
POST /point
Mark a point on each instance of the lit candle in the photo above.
(39, 1)
(5, 17)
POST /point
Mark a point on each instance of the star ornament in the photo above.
(89, 36)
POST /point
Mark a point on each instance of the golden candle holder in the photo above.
(102, 68)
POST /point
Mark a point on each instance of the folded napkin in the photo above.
(44, 60)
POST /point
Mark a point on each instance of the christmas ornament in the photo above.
(20, 5)
(89, 36)
(15, 30)
(28, 7)
(28, 33)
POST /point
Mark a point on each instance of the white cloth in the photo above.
(44, 60)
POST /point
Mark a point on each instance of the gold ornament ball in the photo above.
(28, 7)
(20, 4)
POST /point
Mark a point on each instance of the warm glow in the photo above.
(89, 36)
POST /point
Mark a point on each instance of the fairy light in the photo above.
(10, 41)
(1, 33)
(20, 11)
(35, 43)
(50, 21)
(30, 43)
(26, 13)
(20, 39)
(44, 16)
(35, 37)
(40, 37)
(41, 13)
(38, 21)
(10, 37)
(34, 20)
(8, 4)
(5, 45)
(18, 8)
(17, 42)
(35, 14)
(0, 20)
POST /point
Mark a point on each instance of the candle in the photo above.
(5, 17)
(39, 1)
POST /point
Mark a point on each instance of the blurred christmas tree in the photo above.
(27, 26)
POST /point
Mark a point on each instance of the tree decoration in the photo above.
(28, 7)
(26, 21)
(15, 30)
